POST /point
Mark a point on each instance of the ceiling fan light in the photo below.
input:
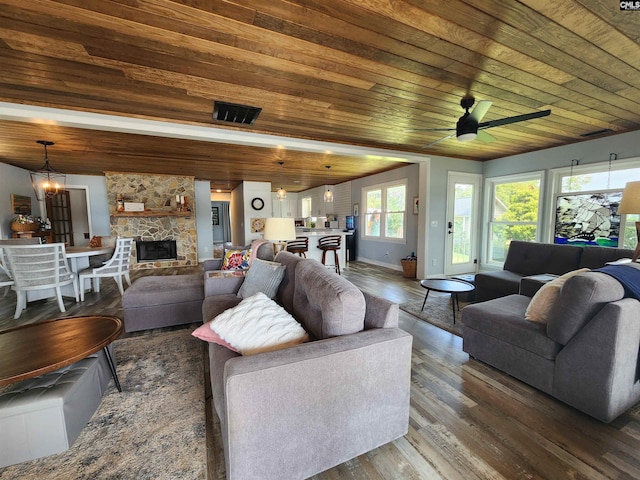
(467, 137)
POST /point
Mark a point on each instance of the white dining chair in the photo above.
(39, 267)
(116, 268)
(6, 280)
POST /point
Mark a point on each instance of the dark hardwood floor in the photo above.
(468, 420)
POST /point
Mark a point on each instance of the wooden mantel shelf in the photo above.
(152, 213)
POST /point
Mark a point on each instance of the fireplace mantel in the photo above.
(152, 213)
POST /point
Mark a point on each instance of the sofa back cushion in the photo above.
(530, 258)
(287, 285)
(581, 297)
(326, 304)
(596, 257)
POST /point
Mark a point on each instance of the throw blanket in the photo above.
(627, 275)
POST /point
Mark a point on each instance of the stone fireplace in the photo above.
(161, 219)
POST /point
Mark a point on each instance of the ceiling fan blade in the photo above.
(480, 111)
(440, 140)
(485, 137)
(429, 129)
(517, 118)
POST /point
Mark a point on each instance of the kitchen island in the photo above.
(314, 252)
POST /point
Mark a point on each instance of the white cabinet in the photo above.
(284, 208)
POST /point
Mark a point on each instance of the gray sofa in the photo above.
(295, 412)
(586, 355)
(529, 259)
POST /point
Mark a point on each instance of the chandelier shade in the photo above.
(47, 181)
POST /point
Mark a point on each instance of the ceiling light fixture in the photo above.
(328, 195)
(47, 181)
(281, 193)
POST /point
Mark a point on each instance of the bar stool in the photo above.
(300, 246)
(328, 244)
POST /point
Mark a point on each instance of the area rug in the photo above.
(154, 429)
(437, 311)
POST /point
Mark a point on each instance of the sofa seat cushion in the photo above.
(164, 290)
(326, 304)
(503, 281)
(503, 318)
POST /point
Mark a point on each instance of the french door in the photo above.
(462, 234)
(59, 212)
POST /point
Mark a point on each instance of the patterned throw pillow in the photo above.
(236, 260)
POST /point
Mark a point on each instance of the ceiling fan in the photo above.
(469, 126)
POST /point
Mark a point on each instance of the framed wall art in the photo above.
(215, 216)
(20, 204)
(416, 205)
(588, 219)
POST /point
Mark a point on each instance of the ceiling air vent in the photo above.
(234, 113)
(597, 132)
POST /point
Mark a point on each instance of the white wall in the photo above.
(255, 190)
(203, 219)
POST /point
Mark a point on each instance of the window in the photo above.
(515, 206)
(385, 211)
(306, 207)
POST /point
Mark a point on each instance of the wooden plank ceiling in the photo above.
(359, 72)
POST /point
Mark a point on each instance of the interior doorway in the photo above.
(220, 222)
(70, 217)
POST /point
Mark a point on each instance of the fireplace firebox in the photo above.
(150, 251)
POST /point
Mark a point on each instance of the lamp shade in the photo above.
(279, 229)
(630, 202)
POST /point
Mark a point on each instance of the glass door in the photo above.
(463, 206)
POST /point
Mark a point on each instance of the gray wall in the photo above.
(14, 180)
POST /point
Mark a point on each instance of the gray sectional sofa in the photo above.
(586, 354)
(295, 412)
(529, 259)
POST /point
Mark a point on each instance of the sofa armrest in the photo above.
(215, 285)
(295, 412)
(597, 371)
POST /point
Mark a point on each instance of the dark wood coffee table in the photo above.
(38, 348)
(447, 285)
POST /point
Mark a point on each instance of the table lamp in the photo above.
(630, 204)
(278, 231)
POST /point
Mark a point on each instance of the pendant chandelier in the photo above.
(281, 193)
(328, 195)
(47, 182)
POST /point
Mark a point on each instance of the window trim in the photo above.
(363, 213)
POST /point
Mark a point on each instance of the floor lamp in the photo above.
(630, 204)
(278, 231)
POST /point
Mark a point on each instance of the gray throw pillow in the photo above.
(262, 276)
